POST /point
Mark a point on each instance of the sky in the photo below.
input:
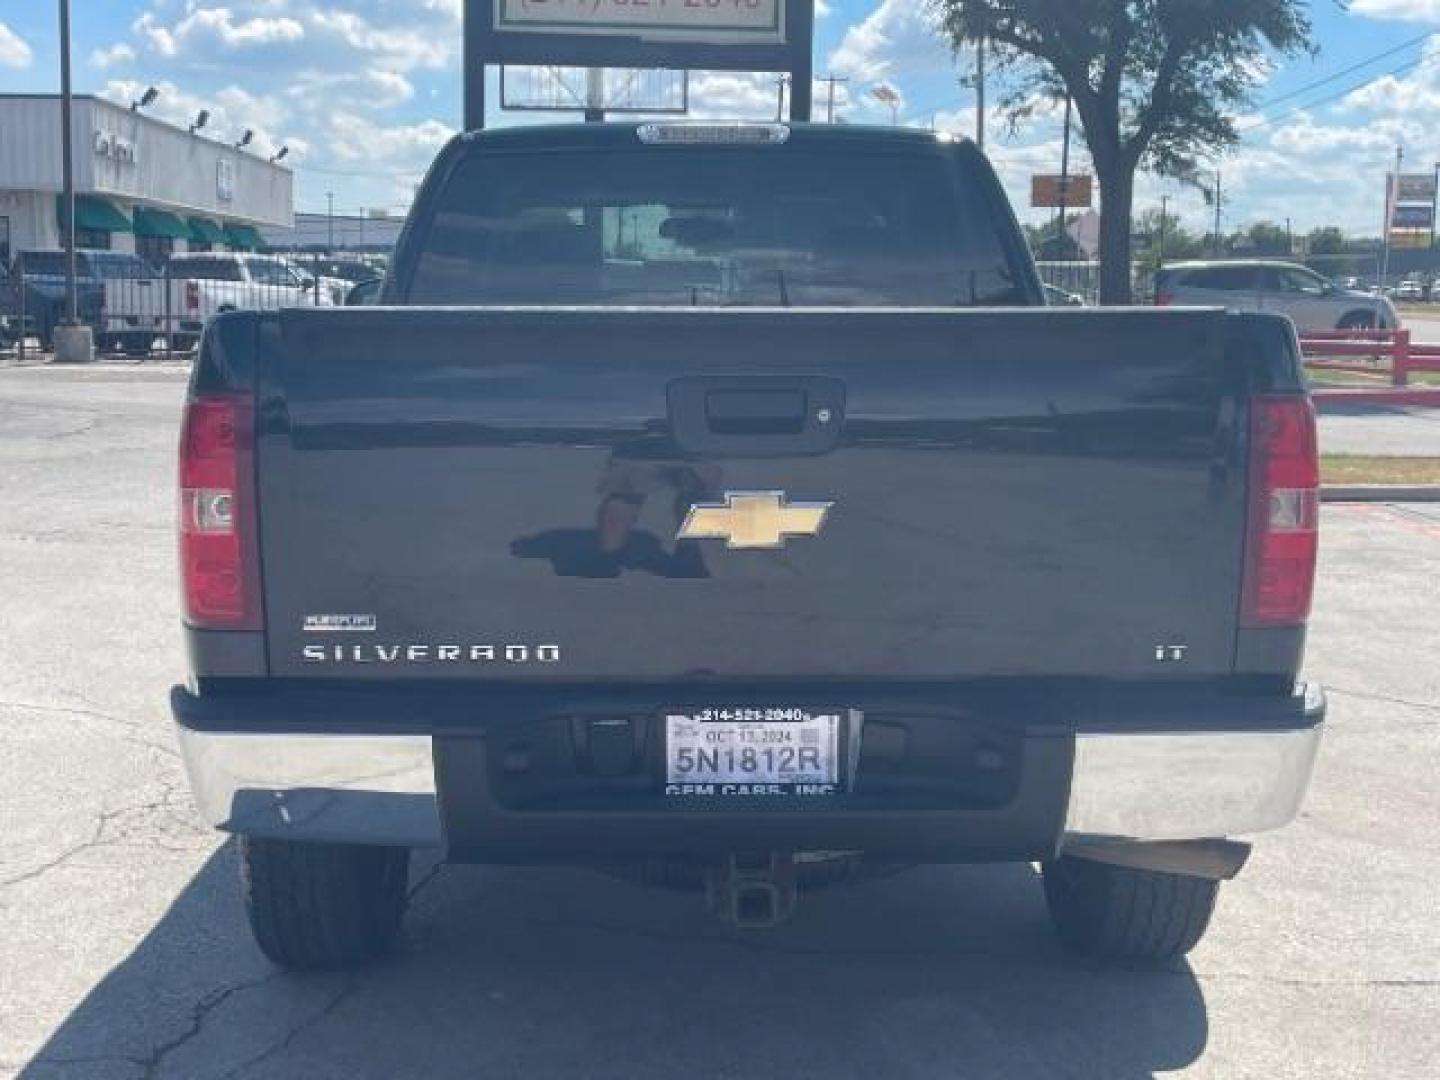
(363, 93)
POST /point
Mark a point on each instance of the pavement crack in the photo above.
(279, 1047)
(1364, 695)
(200, 1014)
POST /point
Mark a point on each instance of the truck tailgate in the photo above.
(919, 495)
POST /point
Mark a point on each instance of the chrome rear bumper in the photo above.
(381, 789)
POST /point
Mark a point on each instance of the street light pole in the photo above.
(67, 167)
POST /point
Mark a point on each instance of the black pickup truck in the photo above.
(719, 504)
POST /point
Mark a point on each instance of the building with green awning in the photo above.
(93, 214)
(243, 237)
(205, 231)
(143, 186)
(158, 223)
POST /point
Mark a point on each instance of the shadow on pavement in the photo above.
(541, 973)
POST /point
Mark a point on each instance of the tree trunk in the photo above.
(1117, 200)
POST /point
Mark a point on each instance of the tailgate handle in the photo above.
(756, 412)
(757, 415)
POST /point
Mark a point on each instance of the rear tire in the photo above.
(1358, 320)
(1114, 913)
(316, 906)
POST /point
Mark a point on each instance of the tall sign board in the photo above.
(719, 35)
(1411, 204)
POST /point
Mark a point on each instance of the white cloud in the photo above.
(402, 47)
(216, 27)
(1410, 10)
(14, 50)
(899, 36)
(112, 56)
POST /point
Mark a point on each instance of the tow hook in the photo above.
(753, 892)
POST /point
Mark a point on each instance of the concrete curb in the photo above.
(1421, 398)
(1380, 493)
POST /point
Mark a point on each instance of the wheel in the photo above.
(1116, 913)
(1358, 320)
(320, 906)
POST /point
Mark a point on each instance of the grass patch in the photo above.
(1353, 379)
(1351, 469)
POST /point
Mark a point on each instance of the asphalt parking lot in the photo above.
(124, 953)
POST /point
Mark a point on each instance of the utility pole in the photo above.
(1435, 207)
(330, 220)
(780, 82)
(832, 80)
(594, 95)
(1164, 221)
(1392, 193)
(980, 92)
(1219, 203)
(1064, 172)
(1289, 238)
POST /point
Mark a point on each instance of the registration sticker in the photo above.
(747, 752)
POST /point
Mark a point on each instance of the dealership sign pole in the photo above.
(753, 35)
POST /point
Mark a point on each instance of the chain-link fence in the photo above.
(139, 311)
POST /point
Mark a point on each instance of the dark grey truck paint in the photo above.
(478, 606)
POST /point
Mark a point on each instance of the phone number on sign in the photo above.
(733, 15)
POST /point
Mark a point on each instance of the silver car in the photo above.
(1313, 302)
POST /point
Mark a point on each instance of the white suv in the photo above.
(1311, 301)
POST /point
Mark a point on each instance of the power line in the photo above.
(1327, 80)
(1401, 69)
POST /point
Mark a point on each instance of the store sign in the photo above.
(1073, 192)
(112, 147)
(225, 180)
(1415, 187)
(1413, 217)
(691, 21)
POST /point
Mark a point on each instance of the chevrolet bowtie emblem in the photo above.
(754, 519)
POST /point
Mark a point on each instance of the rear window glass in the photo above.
(1227, 278)
(113, 267)
(205, 269)
(46, 263)
(713, 227)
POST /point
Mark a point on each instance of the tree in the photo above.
(1327, 241)
(1156, 83)
(1267, 238)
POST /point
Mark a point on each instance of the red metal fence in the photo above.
(1391, 355)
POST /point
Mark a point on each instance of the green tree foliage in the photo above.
(1156, 83)
(1327, 241)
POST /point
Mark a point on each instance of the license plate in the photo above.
(750, 752)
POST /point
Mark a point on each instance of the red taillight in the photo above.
(192, 296)
(1284, 518)
(219, 564)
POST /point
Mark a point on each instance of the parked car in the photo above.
(780, 533)
(1311, 301)
(194, 286)
(1411, 290)
(37, 288)
(1058, 297)
(318, 282)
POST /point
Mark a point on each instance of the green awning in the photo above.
(99, 215)
(206, 231)
(158, 223)
(244, 237)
